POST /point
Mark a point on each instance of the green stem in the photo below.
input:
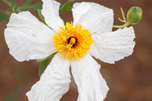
(121, 26)
(7, 2)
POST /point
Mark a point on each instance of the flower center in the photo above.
(72, 41)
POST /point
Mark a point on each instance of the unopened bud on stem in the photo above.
(134, 15)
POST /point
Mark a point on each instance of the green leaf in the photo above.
(12, 95)
(14, 3)
(44, 63)
(52, 55)
(26, 3)
(65, 7)
(7, 3)
(43, 66)
(14, 6)
(65, 23)
(35, 6)
(40, 15)
(10, 98)
(3, 17)
(42, 18)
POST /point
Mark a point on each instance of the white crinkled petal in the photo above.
(54, 82)
(113, 46)
(91, 85)
(50, 11)
(97, 18)
(28, 38)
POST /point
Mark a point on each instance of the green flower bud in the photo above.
(134, 15)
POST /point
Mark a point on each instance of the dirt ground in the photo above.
(129, 79)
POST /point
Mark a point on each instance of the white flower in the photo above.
(28, 39)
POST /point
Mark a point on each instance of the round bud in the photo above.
(134, 15)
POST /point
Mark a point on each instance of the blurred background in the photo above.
(129, 79)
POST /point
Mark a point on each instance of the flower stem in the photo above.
(121, 26)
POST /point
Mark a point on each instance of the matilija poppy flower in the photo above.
(90, 33)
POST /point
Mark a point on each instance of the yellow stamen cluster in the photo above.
(72, 41)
